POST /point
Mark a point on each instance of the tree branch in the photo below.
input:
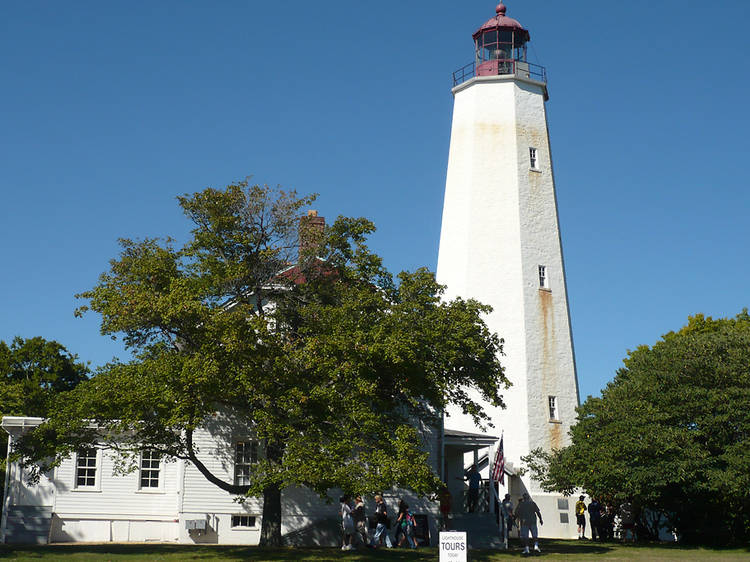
(216, 481)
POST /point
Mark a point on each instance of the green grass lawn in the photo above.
(552, 550)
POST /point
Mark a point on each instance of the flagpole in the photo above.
(498, 472)
(491, 457)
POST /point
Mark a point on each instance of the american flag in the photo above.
(498, 472)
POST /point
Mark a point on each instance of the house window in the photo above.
(245, 454)
(553, 408)
(150, 469)
(86, 468)
(533, 159)
(543, 279)
(240, 521)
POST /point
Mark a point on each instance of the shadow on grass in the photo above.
(171, 552)
(566, 548)
(641, 550)
(168, 552)
(192, 552)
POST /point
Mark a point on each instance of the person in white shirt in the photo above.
(347, 524)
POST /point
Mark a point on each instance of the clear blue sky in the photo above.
(111, 109)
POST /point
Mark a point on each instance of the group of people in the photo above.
(604, 518)
(355, 527)
(524, 515)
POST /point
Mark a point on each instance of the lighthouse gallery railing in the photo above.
(501, 68)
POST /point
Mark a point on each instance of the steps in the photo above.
(481, 530)
(28, 525)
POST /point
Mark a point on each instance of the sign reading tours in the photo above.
(453, 547)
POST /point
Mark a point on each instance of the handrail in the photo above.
(464, 73)
(504, 68)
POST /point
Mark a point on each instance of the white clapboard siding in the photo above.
(116, 509)
(116, 496)
(215, 449)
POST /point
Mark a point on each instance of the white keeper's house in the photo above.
(87, 500)
(500, 243)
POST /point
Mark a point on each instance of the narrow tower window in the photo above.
(533, 159)
(553, 408)
(543, 279)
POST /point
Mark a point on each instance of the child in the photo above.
(406, 524)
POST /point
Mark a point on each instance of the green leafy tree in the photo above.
(672, 431)
(32, 372)
(312, 344)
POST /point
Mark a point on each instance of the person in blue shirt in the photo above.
(475, 479)
(595, 516)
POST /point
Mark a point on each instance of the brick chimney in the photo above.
(311, 229)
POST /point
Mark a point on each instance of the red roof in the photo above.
(501, 21)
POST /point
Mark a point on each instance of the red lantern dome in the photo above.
(499, 44)
(501, 21)
(500, 50)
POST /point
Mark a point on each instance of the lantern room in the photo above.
(500, 49)
(500, 44)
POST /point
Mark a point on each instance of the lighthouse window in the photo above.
(543, 279)
(489, 38)
(495, 45)
(553, 408)
(533, 159)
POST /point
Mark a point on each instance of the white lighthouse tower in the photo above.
(500, 244)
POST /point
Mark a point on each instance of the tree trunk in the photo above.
(270, 531)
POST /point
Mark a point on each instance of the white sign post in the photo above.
(453, 547)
